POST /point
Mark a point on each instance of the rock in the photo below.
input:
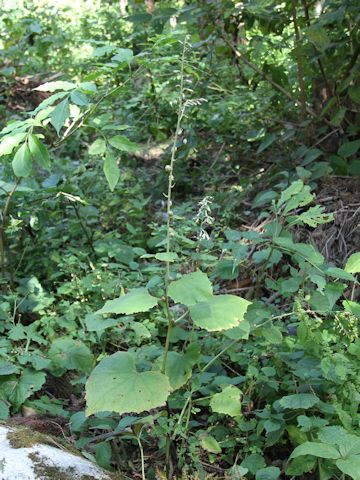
(28, 455)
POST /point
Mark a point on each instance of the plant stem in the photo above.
(169, 212)
(142, 458)
(170, 170)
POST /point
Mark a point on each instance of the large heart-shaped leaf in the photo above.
(219, 313)
(191, 288)
(138, 300)
(115, 385)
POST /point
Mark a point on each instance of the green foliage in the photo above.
(162, 205)
(115, 385)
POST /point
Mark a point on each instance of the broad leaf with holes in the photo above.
(138, 300)
(221, 312)
(115, 385)
(191, 288)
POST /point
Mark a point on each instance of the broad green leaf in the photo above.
(221, 312)
(352, 307)
(59, 115)
(111, 171)
(311, 155)
(137, 300)
(354, 93)
(263, 198)
(178, 369)
(167, 257)
(104, 50)
(313, 217)
(318, 36)
(53, 86)
(88, 87)
(296, 195)
(253, 462)
(96, 323)
(79, 98)
(349, 445)
(300, 465)
(39, 152)
(115, 385)
(268, 473)
(227, 402)
(98, 147)
(210, 444)
(15, 125)
(349, 148)
(316, 449)
(69, 354)
(123, 144)
(304, 250)
(299, 400)
(123, 55)
(4, 410)
(350, 466)
(9, 142)
(191, 288)
(7, 368)
(116, 127)
(22, 163)
(268, 140)
(18, 389)
(49, 101)
(336, 272)
(353, 263)
(241, 332)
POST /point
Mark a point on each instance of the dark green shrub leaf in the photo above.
(111, 171)
(299, 400)
(22, 162)
(39, 152)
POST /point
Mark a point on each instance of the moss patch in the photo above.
(50, 472)
(24, 437)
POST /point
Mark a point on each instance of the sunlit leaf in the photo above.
(115, 385)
